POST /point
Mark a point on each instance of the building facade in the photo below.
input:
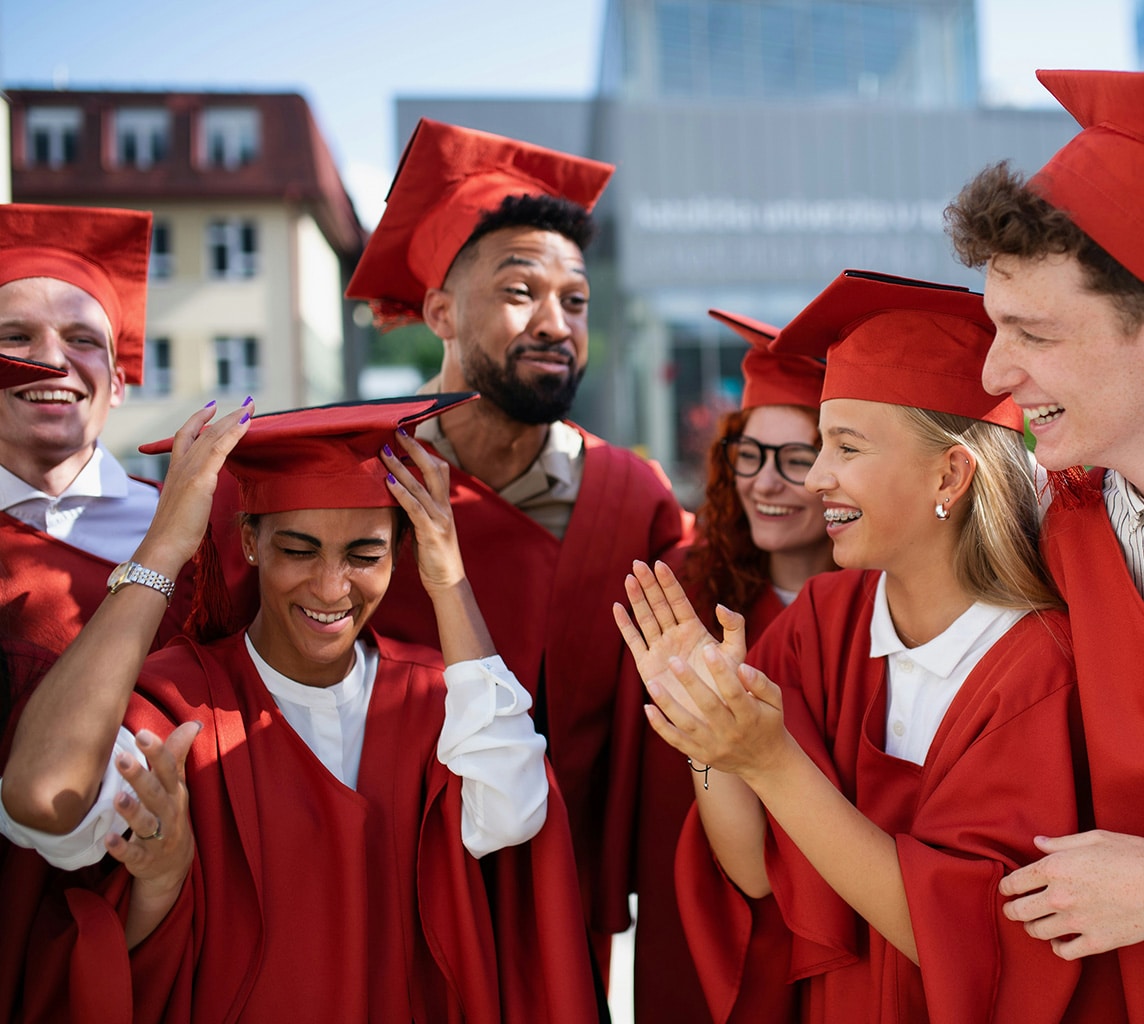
(253, 240)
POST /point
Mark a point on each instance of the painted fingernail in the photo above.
(388, 451)
(200, 728)
(245, 419)
(401, 431)
(391, 478)
(249, 399)
(209, 404)
(123, 800)
(123, 762)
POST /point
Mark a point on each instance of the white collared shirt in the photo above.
(924, 680)
(487, 739)
(102, 511)
(1125, 507)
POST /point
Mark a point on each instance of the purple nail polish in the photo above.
(249, 399)
(388, 451)
(391, 478)
(209, 404)
(245, 418)
(401, 431)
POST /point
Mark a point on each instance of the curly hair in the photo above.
(543, 212)
(999, 214)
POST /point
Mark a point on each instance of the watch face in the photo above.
(118, 575)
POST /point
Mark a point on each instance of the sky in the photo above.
(352, 58)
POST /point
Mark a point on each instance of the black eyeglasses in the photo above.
(746, 457)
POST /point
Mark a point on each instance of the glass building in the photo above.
(905, 52)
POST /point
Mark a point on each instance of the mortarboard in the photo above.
(448, 178)
(903, 342)
(14, 372)
(322, 457)
(102, 251)
(1096, 177)
(773, 378)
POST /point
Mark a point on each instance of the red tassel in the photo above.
(211, 610)
(1074, 487)
(389, 314)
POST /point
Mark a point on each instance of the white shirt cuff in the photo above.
(83, 845)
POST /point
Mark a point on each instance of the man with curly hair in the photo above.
(1064, 260)
(483, 238)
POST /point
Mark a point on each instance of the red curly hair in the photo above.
(724, 566)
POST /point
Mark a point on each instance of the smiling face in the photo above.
(321, 575)
(878, 487)
(54, 425)
(1063, 353)
(514, 318)
(784, 517)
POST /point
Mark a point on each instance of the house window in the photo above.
(236, 360)
(229, 137)
(142, 136)
(232, 248)
(53, 136)
(157, 368)
(162, 264)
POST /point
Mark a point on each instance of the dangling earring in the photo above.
(940, 511)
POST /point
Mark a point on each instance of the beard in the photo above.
(544, 399)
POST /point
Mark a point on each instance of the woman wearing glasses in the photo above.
(760, 536)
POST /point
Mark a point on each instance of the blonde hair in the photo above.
(996, 559)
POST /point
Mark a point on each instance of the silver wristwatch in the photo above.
(133, 572)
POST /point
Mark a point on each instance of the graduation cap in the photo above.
(104, 252)
(325, 456)
(773, 378)
(1096, 177)
(448, 178)
(14, 372)
(902, 342)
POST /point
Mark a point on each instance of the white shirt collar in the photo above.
(284, 688)
(101, 477)
(941, 655)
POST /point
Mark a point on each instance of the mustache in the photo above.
(558, 350)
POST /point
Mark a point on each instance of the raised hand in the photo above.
(161, 848)
(199, 451)
(438, 551)
(665, 625)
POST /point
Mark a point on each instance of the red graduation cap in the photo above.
(14, 372)
(1096, 177)
(102, 251)
(322, 457)
(903, 342)
(448, 178)
(773, 378)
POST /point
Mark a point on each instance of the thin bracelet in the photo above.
(705, 769)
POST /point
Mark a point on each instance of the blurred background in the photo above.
(762, 146)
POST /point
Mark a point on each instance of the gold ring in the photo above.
(157, 834)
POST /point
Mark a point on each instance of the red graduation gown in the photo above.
(548, 605)
(311, 901)
(666, 984)
(1106, 614)
(49, 589)
(999, 772)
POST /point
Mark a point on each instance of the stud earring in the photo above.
(940, 511)
(250, 558)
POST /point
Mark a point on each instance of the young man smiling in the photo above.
(73, 286)
(1064, 259)
(483, 239)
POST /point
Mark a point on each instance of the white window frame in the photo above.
(241, 357)
(58, 124)
(236, 240)
(161, 266)
(148, 129)
(158, 379)
(229, 137)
